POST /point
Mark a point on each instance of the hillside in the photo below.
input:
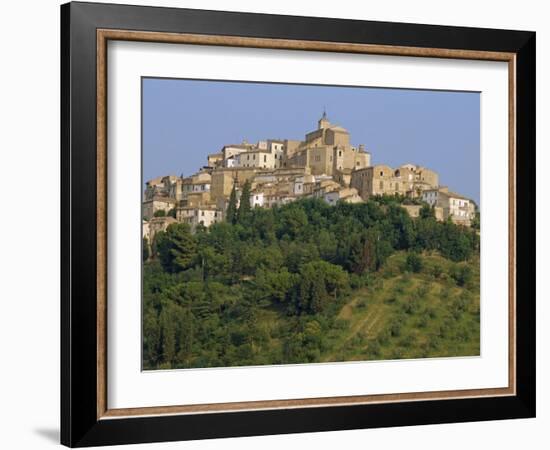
(410, 315)
(312, 283)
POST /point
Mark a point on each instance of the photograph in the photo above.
(306, 224)
(282, 223)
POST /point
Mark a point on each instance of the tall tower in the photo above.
(323, 121)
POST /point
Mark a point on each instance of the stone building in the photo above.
(408, 179)
(223, 180)
(261, 159)
(196, 199)
(205, 215)
(460, 209)
(277, 149)
(155, 188)
(413, 210)
(150, 207)
(257, 199)
(145, 230)
(151, 227)
(347, 195)
(215, 159)
(324, 165)
(197, 183)
(327, 150)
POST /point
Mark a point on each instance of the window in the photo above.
(357, 163)
(339, 152)
(202, 213)
(381, 173)
(265, 158)
(248, 157)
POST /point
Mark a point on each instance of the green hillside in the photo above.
(410, 315)
(308, 283)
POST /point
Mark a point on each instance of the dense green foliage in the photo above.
(243, 212)
(231, 213)
(145, 249)
(288, 284)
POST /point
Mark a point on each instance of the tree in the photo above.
(462, 274)
(177, 247)
(275, 285)
(212, 263)
(319, 280)
(293, 221)
(426, 211)
(413, 262)
(159, 213)
(231, 213)
(168, 336)
(145, 249)
(244, 206)
(151, 336)
(476, 221)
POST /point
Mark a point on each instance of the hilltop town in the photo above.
(324, 165)
(316, 258)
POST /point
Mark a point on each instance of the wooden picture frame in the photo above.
(86, 418)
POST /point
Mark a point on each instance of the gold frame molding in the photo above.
(103, 36)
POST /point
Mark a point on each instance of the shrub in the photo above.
(436, 270)
(373, 348)
(431, 313)
(462, 275)
(413, 263)
(384, 337)
(395, 329)
(423, 322)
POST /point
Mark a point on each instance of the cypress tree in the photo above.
(231, 214)
(244, 206)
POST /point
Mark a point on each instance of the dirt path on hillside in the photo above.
(370, 320)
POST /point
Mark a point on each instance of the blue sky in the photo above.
(184, 120)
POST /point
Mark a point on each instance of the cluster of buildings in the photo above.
(324, 165)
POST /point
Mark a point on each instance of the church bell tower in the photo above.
(323, 121)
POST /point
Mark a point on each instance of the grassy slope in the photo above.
(405, 315)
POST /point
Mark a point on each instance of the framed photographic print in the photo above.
(277, 224)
